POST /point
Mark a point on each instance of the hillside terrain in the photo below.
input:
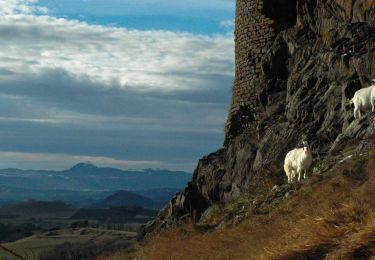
(329, 216)
(37, 209)
(55, 230)
(80, 243)
(85, 184)
(124, 198)
(116, 215)
(321, 53)
(298, 63)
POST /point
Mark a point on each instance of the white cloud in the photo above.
(142, 60)
(20, 6)
(228, 24)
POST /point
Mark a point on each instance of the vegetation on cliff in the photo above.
(329, 216)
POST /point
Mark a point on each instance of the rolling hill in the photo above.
(85, 184)
(124, 198)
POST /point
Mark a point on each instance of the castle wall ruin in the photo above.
(255, 29)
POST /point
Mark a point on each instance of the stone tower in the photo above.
(257, 24)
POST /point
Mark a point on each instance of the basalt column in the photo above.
(257, 24)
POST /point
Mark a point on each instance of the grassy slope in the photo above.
(32, 246)
(331, 215)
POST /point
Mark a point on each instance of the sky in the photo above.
(131, 84)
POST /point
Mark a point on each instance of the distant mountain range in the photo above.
(85, 184)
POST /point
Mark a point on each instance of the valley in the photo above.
(46, 214)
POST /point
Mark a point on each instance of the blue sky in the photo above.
(203, 17)
(128, 84)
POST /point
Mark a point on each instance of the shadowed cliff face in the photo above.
(322, 52)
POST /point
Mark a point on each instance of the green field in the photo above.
(31, 247)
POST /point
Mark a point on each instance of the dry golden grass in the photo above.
(330, 217)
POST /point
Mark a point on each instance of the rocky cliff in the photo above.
(297, 64)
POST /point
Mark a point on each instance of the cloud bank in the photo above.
(21, 6)
(68, 87)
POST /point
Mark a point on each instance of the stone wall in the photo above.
(255, 30)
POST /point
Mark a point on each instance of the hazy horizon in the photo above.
(103, 166)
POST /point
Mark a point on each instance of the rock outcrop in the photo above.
(291, 84)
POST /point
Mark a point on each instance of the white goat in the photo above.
(297, 161)
(363, 100)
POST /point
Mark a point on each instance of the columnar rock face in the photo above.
(256, 27)
(254, 34)
(297, 64)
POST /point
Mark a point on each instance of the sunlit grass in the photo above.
(331, 216)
